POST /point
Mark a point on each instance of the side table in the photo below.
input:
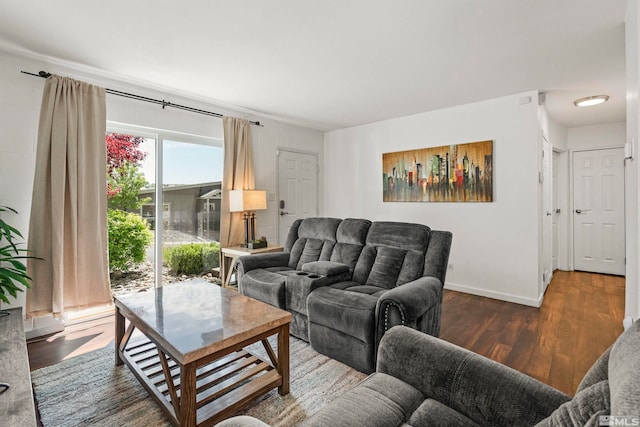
(230, 255)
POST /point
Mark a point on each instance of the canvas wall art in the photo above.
(451, 173)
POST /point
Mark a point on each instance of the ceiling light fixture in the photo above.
(591, 100)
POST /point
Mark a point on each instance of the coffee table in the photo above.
(192, 359)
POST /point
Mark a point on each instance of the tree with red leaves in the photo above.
(123, 149)
(124, 180)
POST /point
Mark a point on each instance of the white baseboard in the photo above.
(42, 325)
(531, 302)
(627, 322)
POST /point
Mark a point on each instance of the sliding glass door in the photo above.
(172, 184)
(191, 195)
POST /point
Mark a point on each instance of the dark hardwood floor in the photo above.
(581, 316)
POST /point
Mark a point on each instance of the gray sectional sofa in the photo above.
(424, 381)
(346, 282)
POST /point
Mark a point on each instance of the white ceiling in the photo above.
(331, 64)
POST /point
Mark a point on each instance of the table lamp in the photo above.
(247, 202)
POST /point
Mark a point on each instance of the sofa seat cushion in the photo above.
(380, 400)
(433, 413)
(280, 270)
(265, 286)
(375, 291)
(285, 271)
(352, 313)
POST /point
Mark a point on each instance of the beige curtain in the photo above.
(238, 175)
(68, 212)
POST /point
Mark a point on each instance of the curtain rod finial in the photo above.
(44, 74)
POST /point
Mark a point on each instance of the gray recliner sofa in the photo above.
(346, 282)
(424, 381)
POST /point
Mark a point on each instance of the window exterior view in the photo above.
(187, 228)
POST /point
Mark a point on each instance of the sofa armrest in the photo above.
(483, 390)
(251, 262)
(403, 305)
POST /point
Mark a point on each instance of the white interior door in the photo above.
(599, 244)
(555, 210)
(297, 189)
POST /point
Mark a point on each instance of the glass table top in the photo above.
(194, 315)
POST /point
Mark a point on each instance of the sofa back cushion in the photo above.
(315, 241)
(350, 239)
(624, 372)
(394, 254)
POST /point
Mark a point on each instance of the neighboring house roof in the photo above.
(183, 187)
(213, 194)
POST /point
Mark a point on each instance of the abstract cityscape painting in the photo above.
(451, 173)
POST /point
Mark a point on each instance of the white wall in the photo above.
(20, 97)
(495, 245)
(597, 136)
(632, 302)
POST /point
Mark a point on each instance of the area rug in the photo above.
(90, 390)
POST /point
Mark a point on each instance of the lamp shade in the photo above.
(247, 200)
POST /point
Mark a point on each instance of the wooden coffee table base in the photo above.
(210, 389)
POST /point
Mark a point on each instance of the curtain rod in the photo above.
(162, 102)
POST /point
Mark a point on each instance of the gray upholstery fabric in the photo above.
(299, 326)
(624, 365)
(360, 261)
(353, 231)
(482, 390)
(423, 381)
(400, 235)
(437, 258)
(268, 260)
(406, 305)
(315, 242)
(298, 287)
(352, 313)
(593, 400)
(599, 371)
(265, 286)
(433, 413)
(325, 268)
(390, 403)
(351, 236)
(292, 236)
(386, 267)
(345, 348)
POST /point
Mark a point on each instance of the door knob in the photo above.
(548, 213)
(283, 213)
(578, 211)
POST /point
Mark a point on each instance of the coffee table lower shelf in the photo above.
(222, 386)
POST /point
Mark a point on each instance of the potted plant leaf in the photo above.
(257, 244)
(13, 272)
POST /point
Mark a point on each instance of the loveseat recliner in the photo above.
(424, 381)
(346, 282)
